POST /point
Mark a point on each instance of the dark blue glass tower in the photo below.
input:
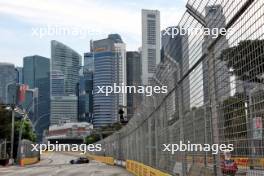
(36, 74)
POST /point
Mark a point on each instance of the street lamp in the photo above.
(14, 110)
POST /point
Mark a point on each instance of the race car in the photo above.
(80, 160)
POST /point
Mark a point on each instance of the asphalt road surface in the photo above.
(57, 164)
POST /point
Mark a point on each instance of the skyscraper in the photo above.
(65, 65)
(150, 43)
(67, 61)
(36, 74)
(86, 89)
(133, 79)
(63, 109)
(58, 83)
(215, 18)
(19, 71)
(7, 76)
(109, 68)
(175, 48)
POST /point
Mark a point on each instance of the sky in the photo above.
(24, 24)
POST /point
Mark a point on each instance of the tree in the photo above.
(28, 132)
(92, 139)
(246, 60)
(5, 125)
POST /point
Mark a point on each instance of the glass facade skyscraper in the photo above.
(176, 48)
(86, 89)
(109, 68)
(58, 83)
(67, 61)
(65, 65)
(19, 73)
(36, 74)
(7, 76)
(63, 109)
(133, 59)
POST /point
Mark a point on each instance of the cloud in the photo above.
(102, 16)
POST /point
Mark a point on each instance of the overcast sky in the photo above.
(22, 20)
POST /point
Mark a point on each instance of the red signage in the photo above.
(22, 92)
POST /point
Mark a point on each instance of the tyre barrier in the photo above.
(140, 169)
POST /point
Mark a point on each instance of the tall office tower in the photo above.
(215, 18)
(12, 93)
(57, 83)
(150, 43)
(63, 109)
(133, 79)
(19, 77)
(86, 89)
(88, 66)
(109, 69)
(7, 76)
(177, 49)
(36, 74)
(67, 61)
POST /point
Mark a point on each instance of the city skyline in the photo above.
(19, 19)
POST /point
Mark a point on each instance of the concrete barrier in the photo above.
(29, 161)
(103, 159)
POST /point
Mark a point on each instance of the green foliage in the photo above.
(5, 123)
(113, 127)
(28, 132)
(92, 139)
(247, 66)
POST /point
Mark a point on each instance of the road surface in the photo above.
(57, 164)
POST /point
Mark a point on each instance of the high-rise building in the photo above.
(66, 60)
(86, 89)
(150, 43)
(109, 69)
(88, 66)
(63, 109)
(19, 71)
(65, 65)
(215, 18)
(133, 79)
(57, 83)
(176, 48)
(36, 74)
(7, 76)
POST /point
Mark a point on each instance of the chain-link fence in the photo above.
(215, 94)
